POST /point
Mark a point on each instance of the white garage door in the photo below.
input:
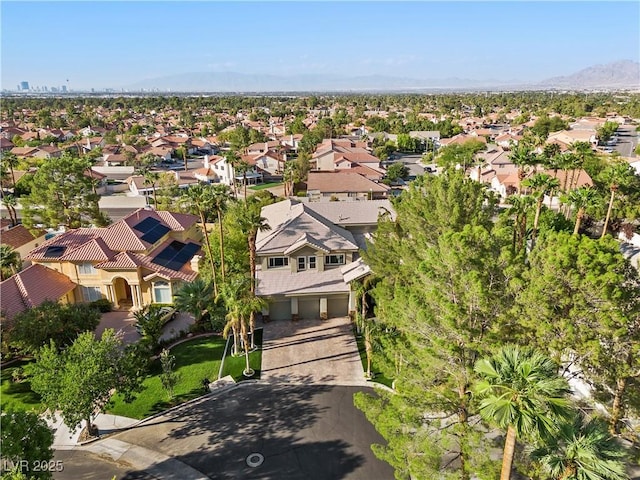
(337, 306)
(309, 308)
(280, 310)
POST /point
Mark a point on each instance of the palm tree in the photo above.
(582, 449)
(220, 196)
(582, 152)
(232, 159)
(250, 223)
(520, 206)
(541, 184)
(9, 261)
(520, 390)
(233, 293)
(581, 199)
(11, 160)
(243, 167)
(200, 199)
(194, 297)
(614, 176)
(151, 178)
(10, 202)
(522, 155)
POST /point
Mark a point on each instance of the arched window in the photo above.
(162, 292)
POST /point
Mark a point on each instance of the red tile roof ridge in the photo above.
(23, 291)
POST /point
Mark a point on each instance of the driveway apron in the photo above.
(311, 351)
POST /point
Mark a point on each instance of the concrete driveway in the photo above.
(311, 351)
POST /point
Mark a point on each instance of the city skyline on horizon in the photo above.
(117, 44)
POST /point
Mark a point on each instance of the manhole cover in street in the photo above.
(255, 460)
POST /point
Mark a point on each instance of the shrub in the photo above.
(103, 305)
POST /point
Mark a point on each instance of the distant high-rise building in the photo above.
(64, 88)
(24, 85)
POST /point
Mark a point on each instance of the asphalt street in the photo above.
(256, 431)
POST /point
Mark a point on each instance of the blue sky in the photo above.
(111, 44)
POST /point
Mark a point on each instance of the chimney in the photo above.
(206, 161)
(266, 146)
(195, 263)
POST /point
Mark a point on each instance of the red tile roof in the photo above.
(94, 250)
(32, 287)
(122, 261)
(17, 236)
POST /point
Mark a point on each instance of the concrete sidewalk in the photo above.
(64, 438)
(154, 463)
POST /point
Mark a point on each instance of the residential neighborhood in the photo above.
(319, 240)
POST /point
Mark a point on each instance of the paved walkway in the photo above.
(311, 351)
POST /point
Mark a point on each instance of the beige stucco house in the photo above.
(308, 260)
(142, 259)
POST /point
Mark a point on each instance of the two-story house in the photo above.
(307, 261)
(138, 260)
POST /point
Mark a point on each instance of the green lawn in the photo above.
(17, 395)
(235, 365)
(195, 360)
(377, 375)
(262, 186)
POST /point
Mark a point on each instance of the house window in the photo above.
(162, 292)
(302, 263)
(312, 262)
(91, 294)
(86, 269)
(334, 259)
(276, 262)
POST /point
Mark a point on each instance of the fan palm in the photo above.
(199, 198)
(523, 156)
(520, 206)
(581, 199)
(194, 297)
(582, 449)
(11, 203)
(9, 261)
(520, 391)
(220, 196)
(541, 184)
(614, 176)
(251, 222)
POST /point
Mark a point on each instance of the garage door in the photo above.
(280, 310)
(309, 308)
(337, 306)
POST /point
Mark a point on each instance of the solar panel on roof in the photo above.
(155, 234)
(146, 225)
(175, 255)
(54, 251)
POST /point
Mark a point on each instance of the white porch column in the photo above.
(139, 293)
(294, 308)
(323, 308)
(114, 295)
(134, 296)
(352, 301)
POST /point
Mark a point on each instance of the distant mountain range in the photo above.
(621, 74)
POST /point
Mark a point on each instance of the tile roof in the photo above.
(17, 236)
(31, 287)
(283, 282)
(93, 250)
(285, 231)
(332, 182)
(118, 237)
(353, 213)
(122, 261)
